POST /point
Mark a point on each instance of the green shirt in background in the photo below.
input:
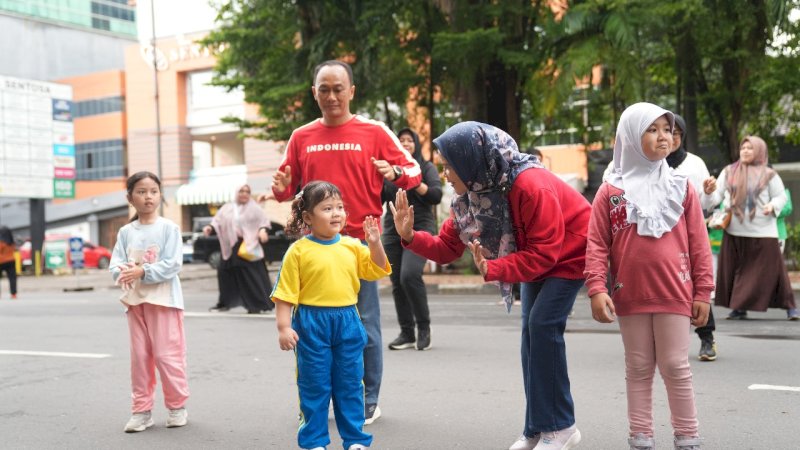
(786, 211)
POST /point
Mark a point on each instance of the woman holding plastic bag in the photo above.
(241, 227)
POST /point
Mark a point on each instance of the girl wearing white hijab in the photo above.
(647, 222)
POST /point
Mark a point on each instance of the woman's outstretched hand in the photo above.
(403, 216)
(709, 185)
(477, 255)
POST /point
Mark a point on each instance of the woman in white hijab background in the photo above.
(242, 276)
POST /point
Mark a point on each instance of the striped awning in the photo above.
(212, 185)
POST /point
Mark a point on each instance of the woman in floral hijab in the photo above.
(523, 225)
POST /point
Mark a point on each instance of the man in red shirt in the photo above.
(356, 154)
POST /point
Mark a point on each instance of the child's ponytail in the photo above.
(295, 226)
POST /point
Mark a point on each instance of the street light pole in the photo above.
(158, 109)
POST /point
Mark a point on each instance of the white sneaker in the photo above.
(139, 422)
(559, 440)
(356, 447)
(177, 418)
(371, 414)
(525, 442)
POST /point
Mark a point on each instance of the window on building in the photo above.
(97, 106)
(100, 159)
(203, 95)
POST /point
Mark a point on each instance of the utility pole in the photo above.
(158, 108)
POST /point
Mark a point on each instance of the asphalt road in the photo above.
(465, 393)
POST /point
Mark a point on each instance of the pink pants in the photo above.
(658, 340)
(157, 341)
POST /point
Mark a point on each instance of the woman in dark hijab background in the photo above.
(7, 260)
(408, 288)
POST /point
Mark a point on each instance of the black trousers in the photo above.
(10, 269)
(244, 282)
(408, 287)
(707, 331)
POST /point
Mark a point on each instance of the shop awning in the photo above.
(212, 185)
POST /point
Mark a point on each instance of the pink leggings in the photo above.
(658, 340)
(157, 341)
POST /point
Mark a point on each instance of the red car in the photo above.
(94, 256)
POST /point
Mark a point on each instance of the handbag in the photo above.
(720, 219)
(248, 256)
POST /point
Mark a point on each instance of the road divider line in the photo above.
(228, 315)
(56, 354)
(770, 387)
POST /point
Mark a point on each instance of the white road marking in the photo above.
(57, 354)
(770, 387)
(228, 315)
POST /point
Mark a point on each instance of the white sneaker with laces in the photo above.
(177, 418)
(356, 447)
(525, 442)
(565, 439)
(139, 422)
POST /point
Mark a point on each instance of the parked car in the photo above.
(94, 256)
(188, 247)
(206, 248)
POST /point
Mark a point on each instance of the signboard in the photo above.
(55, 254)
(37, 139)
(63, 188)
(76, 252)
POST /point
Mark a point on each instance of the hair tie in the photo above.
(299, 195)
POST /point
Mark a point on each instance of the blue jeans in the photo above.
(369, 308)
(545, 307)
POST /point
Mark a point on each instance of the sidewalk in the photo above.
(438, 284)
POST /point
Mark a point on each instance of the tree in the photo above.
(707, 59)
(272, 46)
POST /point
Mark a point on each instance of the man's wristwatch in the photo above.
(398, 172)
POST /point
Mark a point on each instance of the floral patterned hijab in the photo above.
(488, 161)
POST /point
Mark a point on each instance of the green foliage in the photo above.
(793, 245)
(730, 67)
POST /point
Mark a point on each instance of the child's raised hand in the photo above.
(700, 313)
(403, 216)
(603, 308)
(372, 232)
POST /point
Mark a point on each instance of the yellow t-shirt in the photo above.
(325, 273)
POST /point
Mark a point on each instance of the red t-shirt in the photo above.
(342, 155)
(550, 221)
(649, 275)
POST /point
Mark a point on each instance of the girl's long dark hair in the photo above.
(312, 194)
(137, 177)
